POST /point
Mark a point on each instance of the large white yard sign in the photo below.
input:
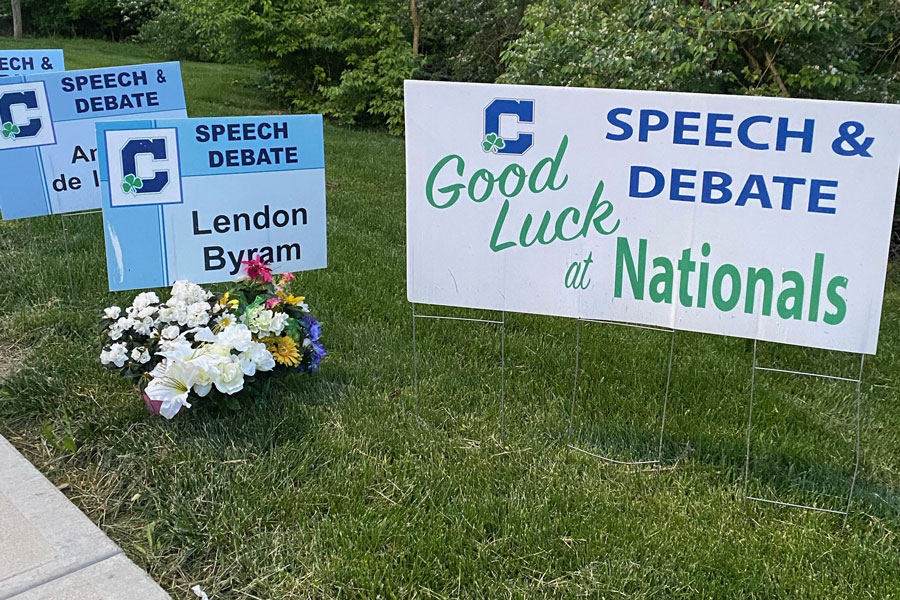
(754, 217)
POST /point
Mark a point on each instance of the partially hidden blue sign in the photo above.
(20, 62)
(48, 153)
(194, 198)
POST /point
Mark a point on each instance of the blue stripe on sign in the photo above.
(163, 245)
(40, 158)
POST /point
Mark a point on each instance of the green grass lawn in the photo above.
(335, 488)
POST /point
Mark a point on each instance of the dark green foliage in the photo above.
(832, 50)
(462, 39)
(107, 19)
(346, 58)
(194, 30)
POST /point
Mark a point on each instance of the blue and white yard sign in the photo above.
(20, 62)
(48, 155)
(193, 198)
(764, 218)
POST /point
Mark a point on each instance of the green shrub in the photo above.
(108, 19)
(802, 48)
(462, 40)
(345, 58)
(194, 30)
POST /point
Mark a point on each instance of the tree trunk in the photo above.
(770, 62)
(417, 25)
(17, 18)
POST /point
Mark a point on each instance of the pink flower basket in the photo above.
(153, 406)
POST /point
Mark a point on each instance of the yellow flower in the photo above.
(284, 350)
(224, 301)
(290, 298)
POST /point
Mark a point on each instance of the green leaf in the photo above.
(47, 430)
(69, 444)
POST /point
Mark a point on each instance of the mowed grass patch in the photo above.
(335, 487)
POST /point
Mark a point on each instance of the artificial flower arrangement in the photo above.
(199, 345)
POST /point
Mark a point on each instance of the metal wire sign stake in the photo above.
(65, 232)
(501, 323)
(569, 445)
(857, 449)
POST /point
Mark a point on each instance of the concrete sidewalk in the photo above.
(49, 550)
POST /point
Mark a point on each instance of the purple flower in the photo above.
(313, 327)
(316, 354)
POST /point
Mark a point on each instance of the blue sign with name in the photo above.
(194, 198)
(48, 152)
(20, 62)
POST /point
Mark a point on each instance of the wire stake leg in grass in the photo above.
(415, 358)
(575, 385)
(502, 375)
(862, 364)
(749, 424)
(62, 220)
(662, 428)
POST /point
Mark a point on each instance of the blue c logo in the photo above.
(155, 148)
(523, 110)
(26, 99)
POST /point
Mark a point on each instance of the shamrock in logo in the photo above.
(132, 184)
(9, 130)
(492, 143)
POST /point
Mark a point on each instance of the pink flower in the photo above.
(286, 278)
(272, 303)
(258, 270)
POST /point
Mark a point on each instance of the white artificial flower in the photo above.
(259, 320)
(230, 379)
(145, 326)
(179, 350)
(117, 355)
(279, 322)
(171, 332)
(144, 300)
(256, 358)
(207, 365)
(115, 332)
(168, 314)
(140, 355)
(146, 312)
(236, 336)
(205, 335)
(225, 319)
(160, 369)
(197, 314)
(112, 312)
(172, 387)
(185, 292)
